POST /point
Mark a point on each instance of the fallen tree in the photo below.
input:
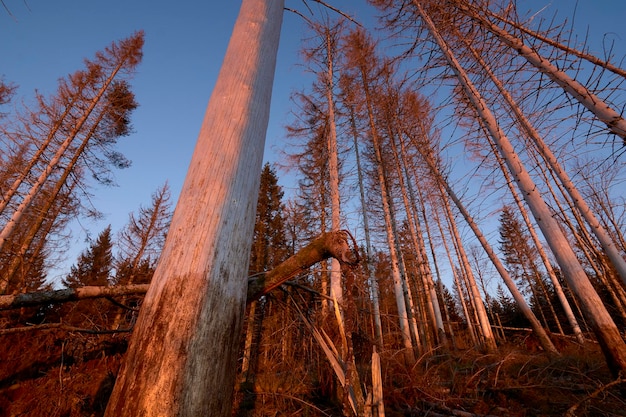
(339, 245)
(9, 302)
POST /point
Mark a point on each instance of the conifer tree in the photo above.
(269, 246)
(94, 265)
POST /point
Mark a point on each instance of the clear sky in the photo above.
(185, 41)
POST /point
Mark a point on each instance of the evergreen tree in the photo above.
(269, 246)
(519, 255)
(94, 264)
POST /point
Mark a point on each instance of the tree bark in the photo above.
(182, 355)
(334, 245)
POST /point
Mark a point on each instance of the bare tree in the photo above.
(603, 326)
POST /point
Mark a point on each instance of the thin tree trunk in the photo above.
(603, 326)
(613, 120)
(182, 355)
(532, 132)
(336, 290)
(378, 328)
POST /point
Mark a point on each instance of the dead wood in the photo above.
(8, 302)
(339, 245)
(61, 326)
(328, 245)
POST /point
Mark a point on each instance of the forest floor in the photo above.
(65, 373)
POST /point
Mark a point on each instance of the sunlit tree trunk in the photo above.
(532, 132)
(181, 359)
(603, 326)
(613, 120)
(373, 282)
(336, 290)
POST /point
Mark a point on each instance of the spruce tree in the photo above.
(269, 246)
(94, 264)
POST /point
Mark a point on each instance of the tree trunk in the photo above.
(182, 356)
(336, 290)
(8, 302)
(602, 324)
(374, 293)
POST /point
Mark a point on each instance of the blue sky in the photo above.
(185, 41)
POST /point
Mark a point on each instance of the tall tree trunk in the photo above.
(336, 290)
(182, 356)
(613, 120)
(602, 324)
(446, 190)
(374, 293)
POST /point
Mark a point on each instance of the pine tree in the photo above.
(522, 257)
(94, 265)
(269, 246)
